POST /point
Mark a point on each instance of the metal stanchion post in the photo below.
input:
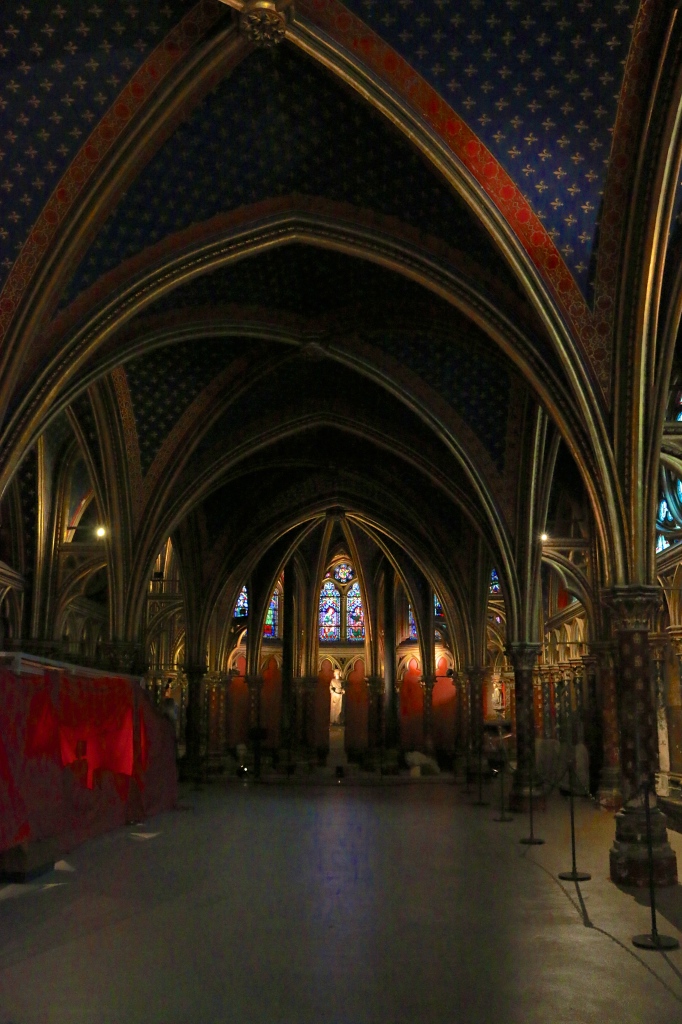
(653, 940)
(573, 875)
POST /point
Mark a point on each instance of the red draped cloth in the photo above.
(79, 755)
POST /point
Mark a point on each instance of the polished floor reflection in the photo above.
(343, 905)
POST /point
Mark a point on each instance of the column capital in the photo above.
(428, 682)
(675, 635)
(633, 607)
(605, 653)
(522, 655)
(194, 672)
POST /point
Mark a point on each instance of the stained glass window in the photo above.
(330, 612)
(494, 582)
(241, 609)
(272, 617)
(355, 616)
(343, 572)
(664, 513)
(413, 625)
(437, 606)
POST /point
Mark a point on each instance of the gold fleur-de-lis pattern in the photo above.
(538, 81)
(61, 66)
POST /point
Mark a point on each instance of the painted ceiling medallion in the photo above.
(263, 22)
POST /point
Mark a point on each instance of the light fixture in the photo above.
(100, 531)
(544, 537)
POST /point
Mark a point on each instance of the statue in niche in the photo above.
(497, 700)
(337, 690)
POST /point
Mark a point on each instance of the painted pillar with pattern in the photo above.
(634, 608)
(523, 657)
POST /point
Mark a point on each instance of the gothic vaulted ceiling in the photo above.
(429, 196)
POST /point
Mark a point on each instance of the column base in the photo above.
(519, 798)
(609, 794)
(459, 767)
(629, 855)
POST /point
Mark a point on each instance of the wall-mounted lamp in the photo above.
(100, 532)
(544, 537)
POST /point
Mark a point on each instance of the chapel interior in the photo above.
(341, 432)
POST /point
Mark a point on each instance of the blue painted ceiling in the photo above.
(537, 80)
(62, 64)
(163, 384)
(304, 280)
(280, 124)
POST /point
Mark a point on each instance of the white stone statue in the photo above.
(336, 689)
(498, 698)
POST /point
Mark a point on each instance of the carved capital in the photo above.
(633, 607)
(675, 634)
(194, 673)
(476, 674)
(604, 652)
(264, 22)
(523, 655)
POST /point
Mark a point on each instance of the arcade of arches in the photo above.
(340, 380)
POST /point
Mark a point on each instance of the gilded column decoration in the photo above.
(609, 793)
(634, 608)
(427, 685)
(523, 657)
(658, 649)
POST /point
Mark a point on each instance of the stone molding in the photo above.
(633, 607)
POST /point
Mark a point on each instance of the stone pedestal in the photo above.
(629, 857)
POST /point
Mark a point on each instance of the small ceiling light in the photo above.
(544, 537)
(100, 531)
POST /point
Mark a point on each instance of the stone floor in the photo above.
(343, 905)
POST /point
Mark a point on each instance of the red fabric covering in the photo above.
(79, 756)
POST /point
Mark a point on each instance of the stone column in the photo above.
(674, 704)
(476, 674)
(375, 692)
(255, 685)
(633, 608)
(609, 792)
(390, 689)
(287, 713)
(592, 720)
(192, 766)
(427, 684)
(658, 649)
(463, 732)
(298, 737)
(523, 657)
